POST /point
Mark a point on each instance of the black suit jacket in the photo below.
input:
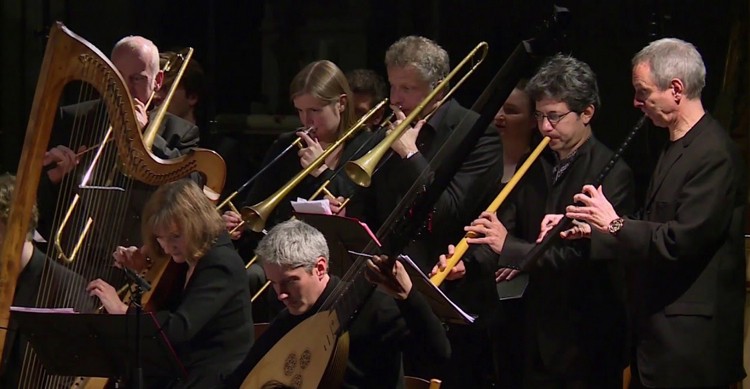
(687, 264)
(456, 206)
(575, 313)
(210, 324)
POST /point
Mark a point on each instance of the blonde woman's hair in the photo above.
(182, 204)
(326, 82)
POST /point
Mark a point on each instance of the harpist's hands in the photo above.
(457, 272)
(389, 275)
(130, 257)
(64, 159)
(108, 296)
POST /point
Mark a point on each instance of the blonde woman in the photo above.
(209, 323)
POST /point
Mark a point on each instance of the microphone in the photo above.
(137, 279)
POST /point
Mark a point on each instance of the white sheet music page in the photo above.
(317, 207)
(42, 310)
(443, 307)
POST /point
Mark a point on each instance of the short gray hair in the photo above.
(567, 79)
(670, 58)
(423, 54)
(292, 244)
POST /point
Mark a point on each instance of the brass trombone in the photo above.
(257, 215)
(361, 170)
(228, 201)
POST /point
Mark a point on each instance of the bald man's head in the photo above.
(137, 60)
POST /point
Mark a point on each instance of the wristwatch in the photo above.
(615, 225)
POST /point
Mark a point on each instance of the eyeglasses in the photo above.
(553, 117)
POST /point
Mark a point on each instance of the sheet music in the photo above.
(364, 226)
(317, 207)
(443, 307)
(42, 310)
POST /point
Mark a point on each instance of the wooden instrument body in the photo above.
(301, 358)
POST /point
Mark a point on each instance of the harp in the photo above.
(68, 58)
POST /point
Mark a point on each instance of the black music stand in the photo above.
(98, 345)
(350, 234)
(343, 234)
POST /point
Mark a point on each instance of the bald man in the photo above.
(137, 60)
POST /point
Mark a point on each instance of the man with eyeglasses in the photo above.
(574, 317)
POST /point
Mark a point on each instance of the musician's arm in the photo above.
(697, 218)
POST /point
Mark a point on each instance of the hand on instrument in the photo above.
(490, 230)
(335, 204)
(231, 221)
(390, 276)
(456, 272)
(549, 222)
(310, 153)
(596, 210)
(141, 114)
(505, 274)
(65, 161)
(131, 257)
(407, 143)
(108, 296)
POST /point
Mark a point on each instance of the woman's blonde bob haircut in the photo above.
(183, 206)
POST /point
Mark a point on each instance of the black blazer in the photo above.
(575, 313)
(210, 325)
(456, 206)
(687, 263)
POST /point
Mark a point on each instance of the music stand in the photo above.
(343, 234)
(97, 345)
(352, 235)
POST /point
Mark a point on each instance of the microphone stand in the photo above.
(137, 379)
(139, 285)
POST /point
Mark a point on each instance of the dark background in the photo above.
(251, 49)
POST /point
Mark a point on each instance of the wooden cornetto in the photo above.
(93, 198)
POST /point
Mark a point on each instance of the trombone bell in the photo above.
(256, 216)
